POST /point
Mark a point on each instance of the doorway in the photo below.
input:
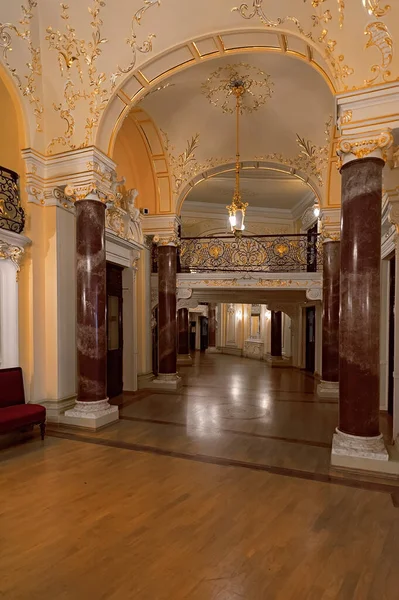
(391, 355)
(310, 339)
(114, 331)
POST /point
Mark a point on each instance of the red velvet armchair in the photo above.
(14, 413)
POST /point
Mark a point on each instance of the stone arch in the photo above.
(246, 165)
(152, 73)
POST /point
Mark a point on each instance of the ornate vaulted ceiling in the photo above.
(80, 67)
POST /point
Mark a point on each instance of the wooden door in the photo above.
(114, 331)
(310, 338)
(391, 357)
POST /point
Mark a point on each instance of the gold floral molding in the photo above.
(320, 17)
(362, 148)
(88, 83)
(144, 47)
(185, 166)
(28, 88)
(312, 159)
(380, 37)
(346, 117)
(373, 8)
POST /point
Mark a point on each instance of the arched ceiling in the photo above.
(264, 188)
(301, 103)
(291, 128)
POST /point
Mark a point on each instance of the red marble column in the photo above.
(360, 297)
(91, 301)
(276, 334)
(167, 331)
(330, 346)
(183, 333)
(211, 326)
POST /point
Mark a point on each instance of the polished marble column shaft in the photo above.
(183, 333)
(276, 333)
(167, 310)
(359, 335)
(91, 301)
(212, 325)
(330, 343)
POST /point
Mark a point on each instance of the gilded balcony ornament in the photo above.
(12, 215)
(380, 37)
(373, 8)
(27, 85)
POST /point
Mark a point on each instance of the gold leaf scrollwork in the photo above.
(380, 37)
(320, 18)
(132, 41)
(28, 88)
(373, 8)
(82, 55)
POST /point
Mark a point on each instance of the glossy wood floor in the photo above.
(222, 492)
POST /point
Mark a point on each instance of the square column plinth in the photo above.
(91, 415)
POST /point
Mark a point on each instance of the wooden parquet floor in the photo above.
(222, 492)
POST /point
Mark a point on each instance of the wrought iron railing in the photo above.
(267, 253)
(12, 215)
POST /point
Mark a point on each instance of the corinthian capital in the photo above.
(374, 145)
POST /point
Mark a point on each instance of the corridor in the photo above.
(222, 491)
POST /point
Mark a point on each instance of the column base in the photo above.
(213, 350)
(144, 380)
(278, 361)
(358, 453)
(170, 382)
(184, 360)
(328, 389)
(90, 415)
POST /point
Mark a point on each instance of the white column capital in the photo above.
(373, 144)
(12, 247)
(167, 240)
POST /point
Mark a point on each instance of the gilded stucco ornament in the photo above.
(77, 60)
(393, 214)
(374, 8)
(346, 117)
(28, 84)
(132, 41)
(167, 240)
(11, 252)
(380, 37)
(185, 166)
(320, 18)
(378, 145)
(311, 160)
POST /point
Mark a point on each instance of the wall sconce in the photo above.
(239, 315)
(268, 315)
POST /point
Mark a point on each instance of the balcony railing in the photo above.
(12, 216)
(263, 253)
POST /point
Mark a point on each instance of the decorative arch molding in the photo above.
(247, 166)
(149, 77)
(159, 160)
(19, 106)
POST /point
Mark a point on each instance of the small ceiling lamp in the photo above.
(226, 88)
(237, 208)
